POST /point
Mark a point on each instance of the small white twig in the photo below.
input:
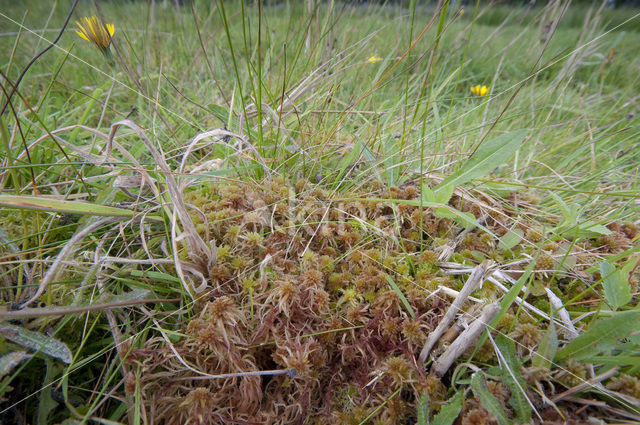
(570, 331)
(471, 285)
(465, 340)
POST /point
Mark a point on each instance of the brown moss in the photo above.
(398, 369)
(574, 373)
(501, 392)
(527, 335)
(615, 242)
(625, 384)
(322, 305)
(411, 329)
(533, 235)
(433, 388)
(196, 406)
(478, 416)
(545, 262)
(630, 230)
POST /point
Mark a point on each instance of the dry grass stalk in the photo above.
(68, 249)
(61, 311)
(585, 385)
(465, 340)
(471, 285)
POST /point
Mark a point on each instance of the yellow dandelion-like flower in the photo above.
(479, 90)
(95, 32)
(374, 59)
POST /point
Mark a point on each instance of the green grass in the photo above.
(546, 167)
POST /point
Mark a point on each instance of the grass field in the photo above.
(383, 240)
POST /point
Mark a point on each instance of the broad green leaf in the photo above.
(444, 195)
(174, 336)
(510, 239)
(133, 295)
(464, 219)
(423, 410)
(587, 229)
(617, 290)
(441, 197)
(449, 412)
(569, 215)
(57, 205)
(571, 224)
(350, 158)
(601, 336)
(427, 194)
(488, 400)
(11, 360)
(629, 265)
(547, 349)
(502, 189)
(513, 379)
(490, 154)
(400, 295)
(590, 229)
(155, 275)
(36, 341)
(46, 403)
(621, 360)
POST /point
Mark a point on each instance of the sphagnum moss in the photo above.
(322, 305)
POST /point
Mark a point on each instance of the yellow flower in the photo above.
(95, 32)
(479, 90)
(374, 59)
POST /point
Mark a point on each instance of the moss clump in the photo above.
(545, 262)
(300, 284)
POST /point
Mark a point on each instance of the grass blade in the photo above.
(488, 156)
(547, 349)
(602, 336)
(400, 295)
(449, 412)
(488, 400)
(423, 410)
(513, 378)
(36, 341)
(57, 205)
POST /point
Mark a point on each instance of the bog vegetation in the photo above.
(319, 213)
